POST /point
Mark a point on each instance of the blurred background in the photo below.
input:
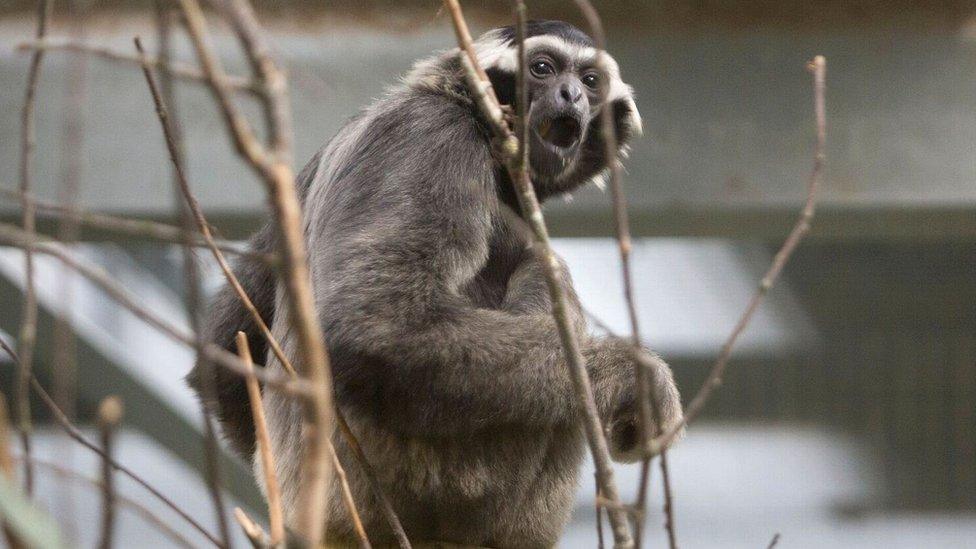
(848, 415)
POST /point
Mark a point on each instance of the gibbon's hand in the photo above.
(611, 363)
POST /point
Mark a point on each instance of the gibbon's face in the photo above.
(567, 91)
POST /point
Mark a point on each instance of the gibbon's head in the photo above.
(567, 93)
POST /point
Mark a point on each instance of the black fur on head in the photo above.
(548, 27)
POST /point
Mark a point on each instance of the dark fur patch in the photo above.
(538, 27)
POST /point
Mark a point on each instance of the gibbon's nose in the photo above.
(570, 93)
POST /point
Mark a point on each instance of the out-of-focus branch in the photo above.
(144, 512)
(818, 66)
(133, 227)
(176, 69)
(275, 513)
(110, 412)
(255, 534)
(12, 236)
(649, 409)
(28, 326)
(275, 169)
(58, 415)
(514, 154)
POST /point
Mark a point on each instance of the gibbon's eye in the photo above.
(542, 69)
(591, 80)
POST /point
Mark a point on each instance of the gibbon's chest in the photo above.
(506, 250)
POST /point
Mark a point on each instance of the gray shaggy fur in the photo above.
(445, 357)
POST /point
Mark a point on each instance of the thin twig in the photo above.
(77, 435)
(374, 484)
(197, 216)
(138, 508)
(133, 227)
(649, 409)
(275, 512)
(818, 66)
(275, 170)
(28, 326)
(176, 69)
(191, 277)
(357, 523)
(514, 153)
(773, 542)
(110, 412)
(255, 534)
(12, 236)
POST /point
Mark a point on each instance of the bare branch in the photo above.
(275, 513)
(28, 327)
(76, 434)
(275, 169)
(773, 542)
(514, 155)
(649, 409)
(193, 291)
(135, 227)
(818, 66)
(110, 412)
(176, 69)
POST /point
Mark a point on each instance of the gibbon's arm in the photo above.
(392, 240)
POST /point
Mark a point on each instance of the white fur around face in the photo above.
(493, 51)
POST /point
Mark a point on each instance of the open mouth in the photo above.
(561, 132)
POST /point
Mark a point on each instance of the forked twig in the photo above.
(514, 152)
(818, 66)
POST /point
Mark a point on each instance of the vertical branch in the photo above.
(514, 155)
(649, 411)
(818, 66)
(275, 169)
(275, 514)
(110, 412)
(192, 286)
(28, 328)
